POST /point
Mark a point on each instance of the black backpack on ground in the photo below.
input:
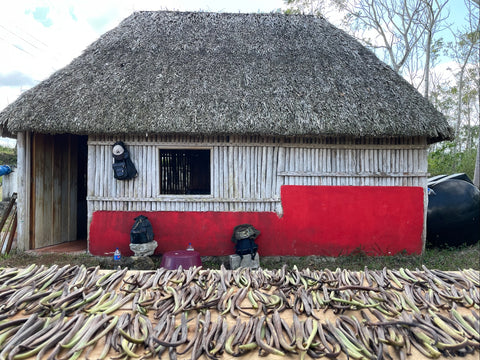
(244, 238)
(142, 231)
(123, 167)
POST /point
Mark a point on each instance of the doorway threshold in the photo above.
(70, 247)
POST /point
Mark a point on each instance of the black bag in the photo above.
(142, 231)
(245, 247)
(244, 238)
(123, 167)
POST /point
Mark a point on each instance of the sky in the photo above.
(38, 37)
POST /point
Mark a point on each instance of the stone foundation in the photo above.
(237, 262)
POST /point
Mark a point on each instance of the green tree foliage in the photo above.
(8, 156)
(444, 160)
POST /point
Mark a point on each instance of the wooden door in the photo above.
(53, 217)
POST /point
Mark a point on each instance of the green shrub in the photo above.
(445, 161)
(8, 156)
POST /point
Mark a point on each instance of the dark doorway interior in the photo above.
(82, 188)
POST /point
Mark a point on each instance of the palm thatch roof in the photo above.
(219, 73)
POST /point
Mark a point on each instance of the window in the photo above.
(185, 172)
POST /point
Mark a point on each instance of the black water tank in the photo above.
(453, 216)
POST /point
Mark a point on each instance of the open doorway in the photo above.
(58, 204)
(82, 159)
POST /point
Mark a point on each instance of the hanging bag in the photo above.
(123, 167)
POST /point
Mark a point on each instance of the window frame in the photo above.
(186, 197)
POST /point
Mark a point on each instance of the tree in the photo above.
(457, 99)
(474, 10)
(444, 160)
(403, 33)
(467, 54)
(391, 26)
(433, 19)
(476, 174)
(406, 34)
(320, 8)
(463, 50)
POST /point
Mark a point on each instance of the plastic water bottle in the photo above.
(117, 255)
(190, 247)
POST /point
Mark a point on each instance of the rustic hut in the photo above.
(283, 122)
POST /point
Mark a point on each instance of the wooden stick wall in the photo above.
(248, 171)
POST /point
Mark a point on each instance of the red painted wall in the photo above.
(317, 220)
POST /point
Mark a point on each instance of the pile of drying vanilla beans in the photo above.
(76, 312)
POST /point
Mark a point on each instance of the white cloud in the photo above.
(445, 72)
(8, 94)
(7, 142)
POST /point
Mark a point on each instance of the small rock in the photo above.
(246, 261)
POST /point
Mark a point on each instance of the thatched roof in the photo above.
(217, 73)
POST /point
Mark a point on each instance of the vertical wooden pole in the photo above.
(23, 191)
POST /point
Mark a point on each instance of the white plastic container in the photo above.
(117, 255)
